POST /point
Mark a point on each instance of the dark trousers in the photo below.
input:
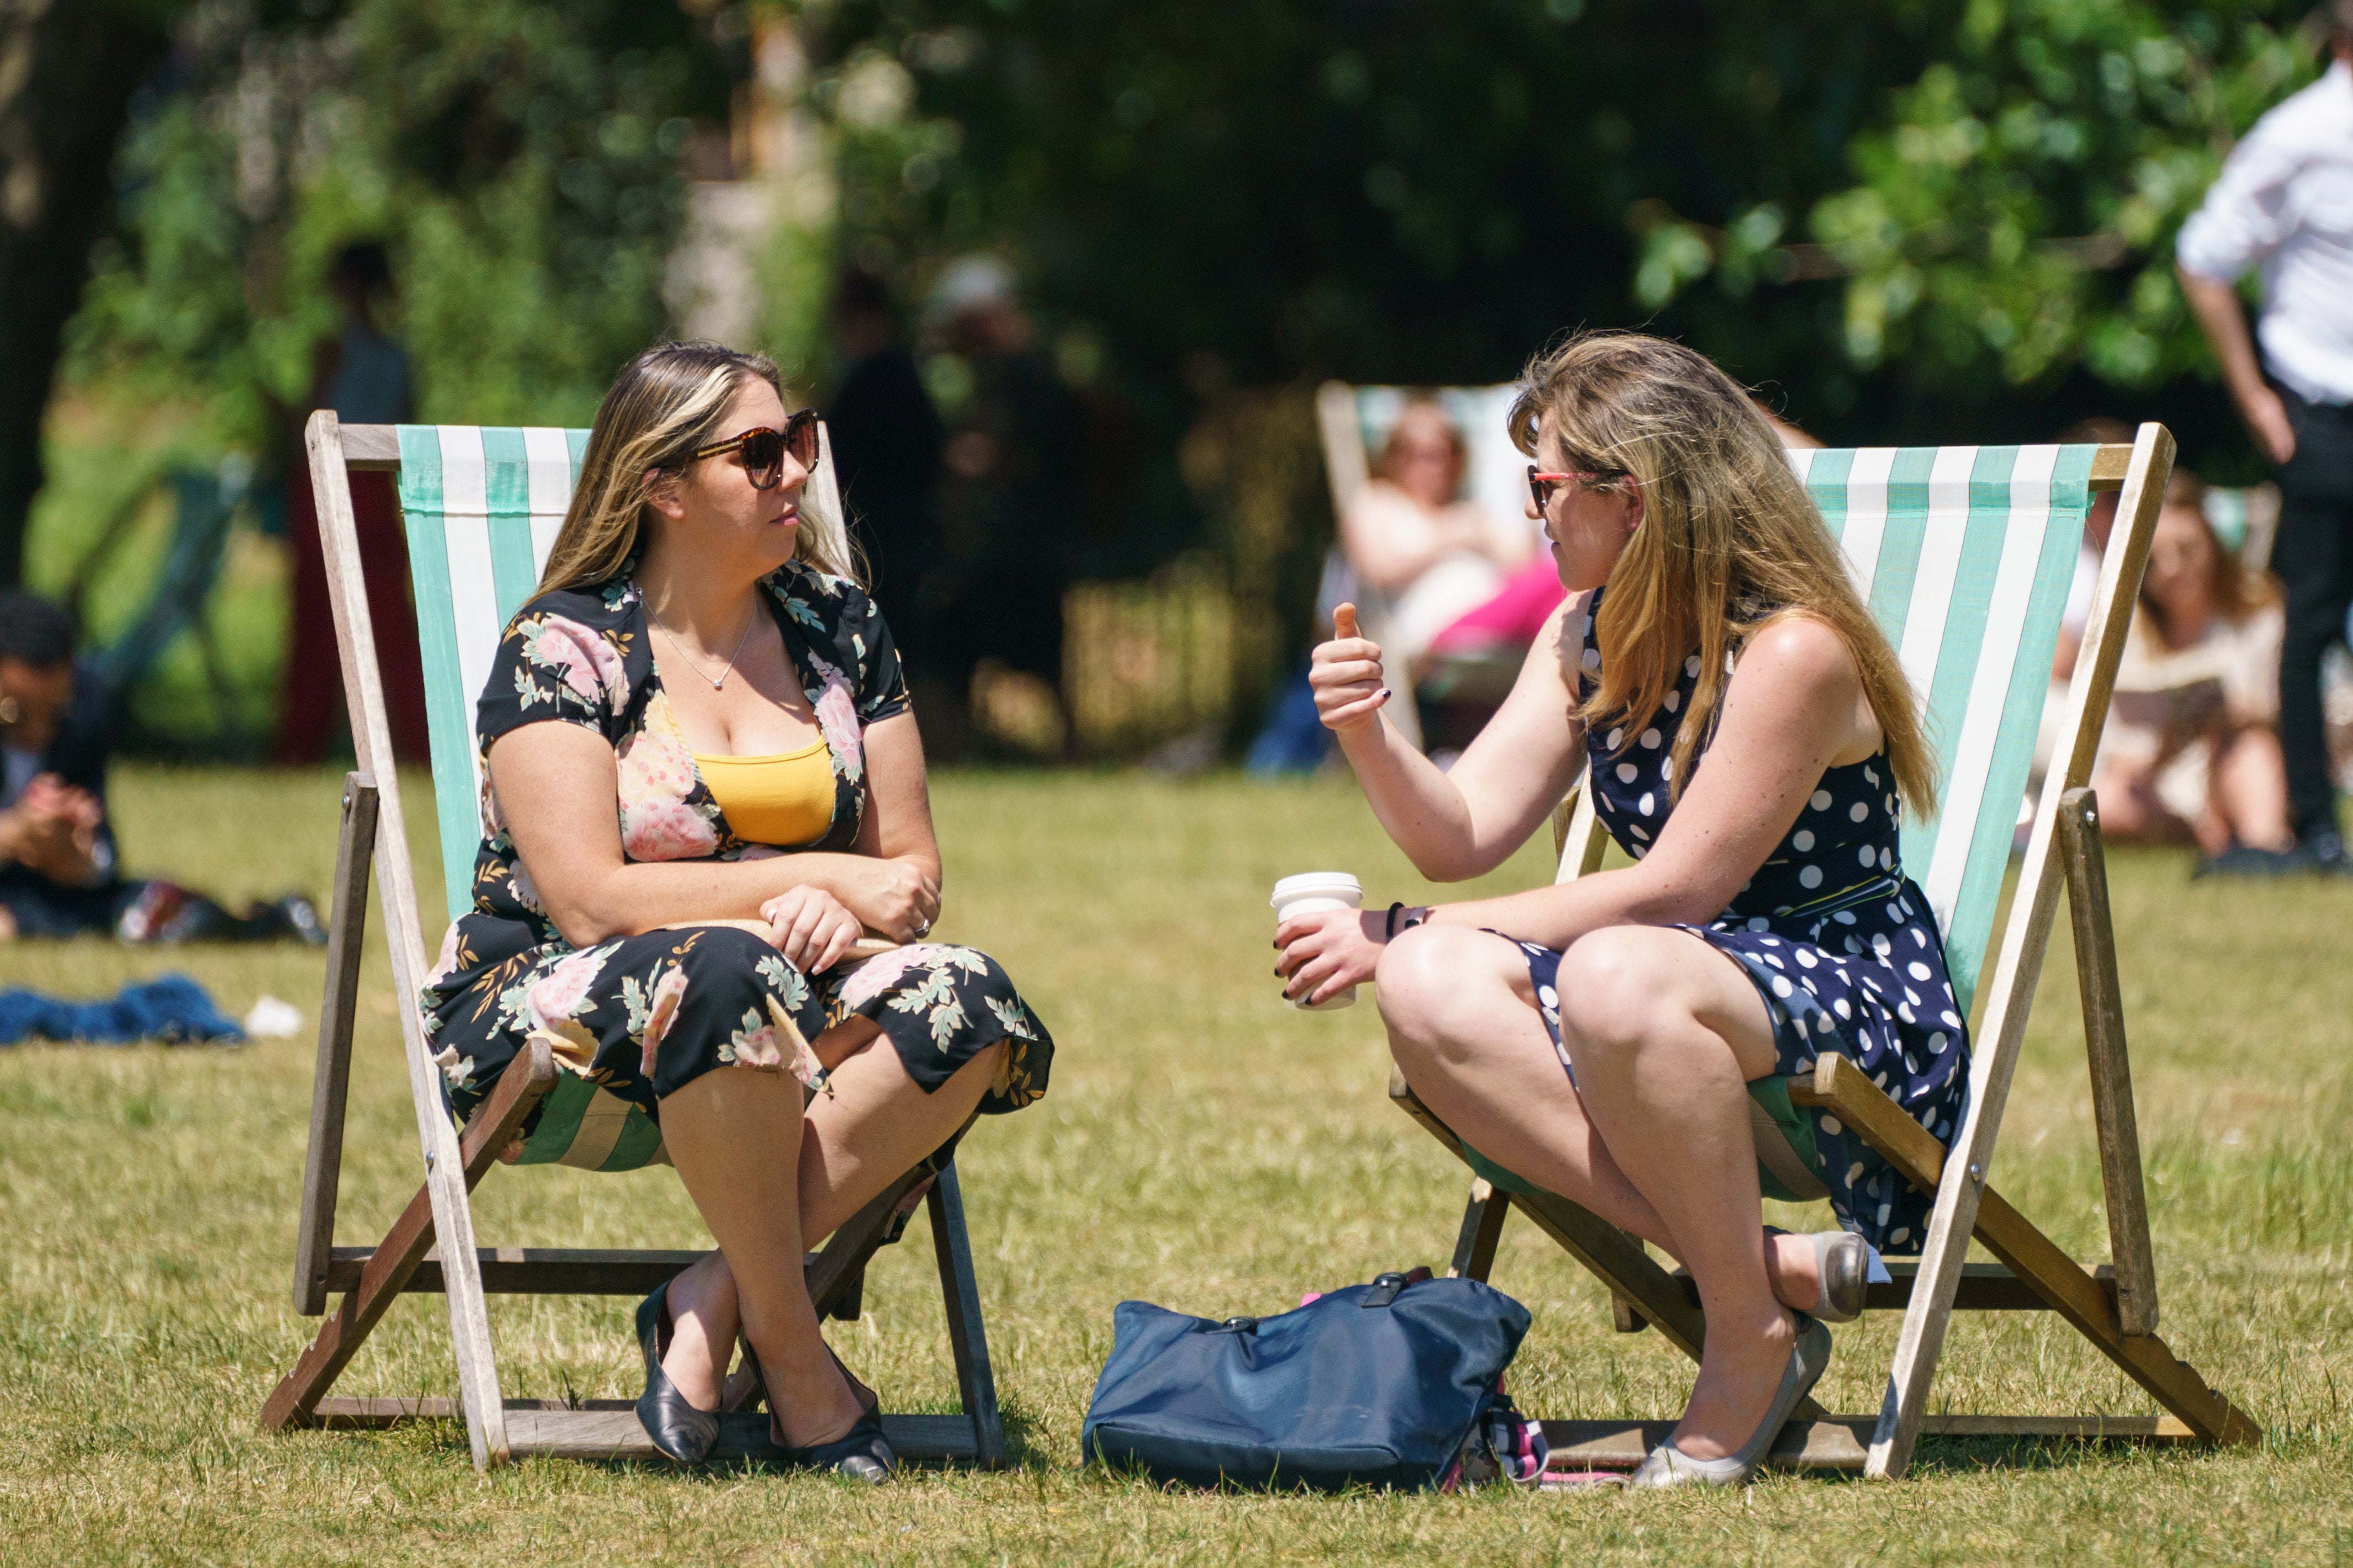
(2313, 561)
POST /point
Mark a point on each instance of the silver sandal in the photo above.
(1669, 1466)
(1842, 1264)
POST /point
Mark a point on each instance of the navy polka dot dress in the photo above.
(1840, 944)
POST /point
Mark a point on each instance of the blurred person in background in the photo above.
(887, 441)
(2190, 752)
(363, 375)
(1430, 555)
(2282, 208)
(58, 870)
(1016, 461)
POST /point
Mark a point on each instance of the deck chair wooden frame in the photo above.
(2115, 1306)
(430, 1249)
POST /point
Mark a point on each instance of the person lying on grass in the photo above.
(58, 870)
(705, 786)
(1752, 745)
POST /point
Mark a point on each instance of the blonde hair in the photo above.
(665, 402)
(1729, 540)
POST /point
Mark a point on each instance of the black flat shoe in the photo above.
(680, 1430)
(861, 1453)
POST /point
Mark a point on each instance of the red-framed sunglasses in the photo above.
(1542, 484)
(763, 449)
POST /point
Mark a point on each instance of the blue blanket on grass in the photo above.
(173, 1009)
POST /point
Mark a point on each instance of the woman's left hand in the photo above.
(1325, 952)
(810, 927)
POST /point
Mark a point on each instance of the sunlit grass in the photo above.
(1202, 1146)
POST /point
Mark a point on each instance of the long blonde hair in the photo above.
(1729, 540)
(665, 402)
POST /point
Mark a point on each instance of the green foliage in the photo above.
(1902, 212)
(522, 161)
(2018, 215)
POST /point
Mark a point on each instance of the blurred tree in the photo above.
(67, 71)
(522, 161)
(1919, 218)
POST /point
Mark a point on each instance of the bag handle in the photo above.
(1386, 1286)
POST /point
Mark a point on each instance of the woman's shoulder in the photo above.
(1793, 646)
(577, 648)
(599, 606)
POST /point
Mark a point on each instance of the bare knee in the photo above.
(1437, 987)
(1417, 973)
(1616, 986)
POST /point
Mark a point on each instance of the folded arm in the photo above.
(556, 785)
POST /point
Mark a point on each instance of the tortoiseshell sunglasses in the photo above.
(763, 449)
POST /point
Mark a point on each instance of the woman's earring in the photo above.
(9, 711)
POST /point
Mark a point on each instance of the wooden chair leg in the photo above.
(323, 1169)
(2085, 859)
(968, 1334)
(388, 1269)
(2069, 1288)
(1483, 1227)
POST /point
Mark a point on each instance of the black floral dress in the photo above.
(1837, 940)
(641, 1015)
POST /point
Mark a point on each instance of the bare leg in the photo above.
(876, 1124)
(854, 1142)
(2247, 787)
(1666, 1033)
(735, 1135)
(1463, 1027)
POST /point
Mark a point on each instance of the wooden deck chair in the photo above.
(1964, 554)
(1354, 422)
(482, 506)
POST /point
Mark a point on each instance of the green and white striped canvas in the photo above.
(482, 505)
(1964, 554)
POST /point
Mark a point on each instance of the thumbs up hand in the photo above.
(1351, 688)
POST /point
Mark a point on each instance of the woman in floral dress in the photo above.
(1752, 745)
(689, 609)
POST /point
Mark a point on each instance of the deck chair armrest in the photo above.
(1836, 1085)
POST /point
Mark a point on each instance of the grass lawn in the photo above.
(1203, 1147)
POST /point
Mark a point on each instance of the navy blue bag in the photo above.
(1382, 1384)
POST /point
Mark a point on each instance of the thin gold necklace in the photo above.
(726, 669)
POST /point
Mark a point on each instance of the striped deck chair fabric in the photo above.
(1964, 554)
(482, 505)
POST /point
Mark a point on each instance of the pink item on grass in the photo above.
(1513, 617)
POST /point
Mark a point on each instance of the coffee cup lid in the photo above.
(1309, 884)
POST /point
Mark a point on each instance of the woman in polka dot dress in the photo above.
(1753, 745)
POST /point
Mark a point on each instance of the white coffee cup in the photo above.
(1309, 893)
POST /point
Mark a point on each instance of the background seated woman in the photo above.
(1412, 538)
(2191, 751)
(701, 718)
(1751, 737)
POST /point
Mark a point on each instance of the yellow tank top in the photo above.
(783, 800)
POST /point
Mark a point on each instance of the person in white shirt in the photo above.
(2282, 208)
